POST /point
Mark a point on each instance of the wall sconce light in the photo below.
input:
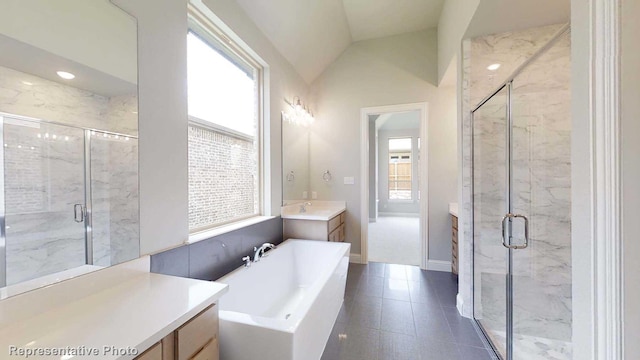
(298, 114)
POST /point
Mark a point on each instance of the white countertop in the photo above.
(318, 210)
(453, 209)
(134, 313)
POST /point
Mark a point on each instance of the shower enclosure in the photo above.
(522, 208)
(69, 197)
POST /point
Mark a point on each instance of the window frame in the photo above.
(200, 26)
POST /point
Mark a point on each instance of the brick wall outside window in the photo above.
(223, 178)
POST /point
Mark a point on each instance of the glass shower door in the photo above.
(44, 193)
(490, 186)
(541, 191)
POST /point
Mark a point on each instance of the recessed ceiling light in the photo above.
(27, 83)
(493, 67)
(65, 75)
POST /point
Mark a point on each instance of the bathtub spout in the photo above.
(260, 251)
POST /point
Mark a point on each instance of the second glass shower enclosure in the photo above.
(522, 209)
(69, 198)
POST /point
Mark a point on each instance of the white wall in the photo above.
(581, 220)
(454, 20)
(393, 70)
(631, 175)
(100, 37)
(162, 28)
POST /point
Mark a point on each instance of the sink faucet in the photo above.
(260, 251)
(303, 207)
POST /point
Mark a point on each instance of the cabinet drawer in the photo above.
(334, 223)
(153, 353)
(454, 249)
(454, 222)
(335, 235)
(454, 235)
(209, 352)
(195, 334)
(343, 217)
(342, 237)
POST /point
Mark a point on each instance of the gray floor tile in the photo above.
(473, 353)
(464, 333)
(343, 315)
(395, 346)
(395, 271)
(365, 312)
(397, 317)
(401, 312)
(431, 324)
(375, 269)
(396, 289)
(359, 344)
(414, 273)
(371, 286)
(423, 293)
(438, 350)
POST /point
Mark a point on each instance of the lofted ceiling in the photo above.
(370, 19)
(311, 34)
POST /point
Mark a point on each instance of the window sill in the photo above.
(207, 234)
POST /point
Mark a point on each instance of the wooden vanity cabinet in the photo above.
(197, 339)
(331, 230)
(454, 244)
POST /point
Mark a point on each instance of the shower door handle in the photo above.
(78, 213)
(526, 231)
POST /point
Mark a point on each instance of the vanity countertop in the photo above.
(318, 210)
(134, 313)
(453, 209)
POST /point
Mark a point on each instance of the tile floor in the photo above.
(397, 312)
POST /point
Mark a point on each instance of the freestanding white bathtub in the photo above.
(284, 306)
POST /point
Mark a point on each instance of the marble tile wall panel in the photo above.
(52, 101)
(114, 187)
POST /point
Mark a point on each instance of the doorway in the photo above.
(394, 187)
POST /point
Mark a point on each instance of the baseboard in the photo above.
(398, 214)
(439, 265)
(460, 304)
(355, 258)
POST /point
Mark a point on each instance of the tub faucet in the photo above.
(247, 261)
(260, 251)
(303, 207)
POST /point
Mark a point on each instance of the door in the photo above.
(490, 191)
(44, 197)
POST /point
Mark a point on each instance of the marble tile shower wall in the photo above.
(541, 178)
(28, 95)
(44, 177)
(114, 189)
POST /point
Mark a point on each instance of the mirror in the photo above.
(69, 124)
(295, 162)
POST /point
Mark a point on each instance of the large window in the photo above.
(224, 132)
(400, 169)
